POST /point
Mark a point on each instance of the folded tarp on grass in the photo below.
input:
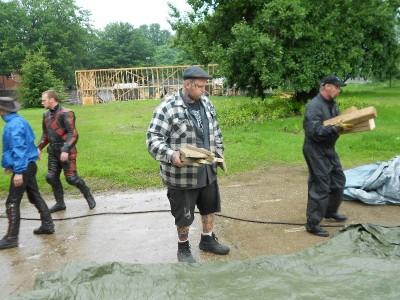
(375, 184)
(358, 262)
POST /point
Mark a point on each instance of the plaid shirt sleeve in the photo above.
(157, 135)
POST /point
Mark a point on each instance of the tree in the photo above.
(37, 77)
(12, 36)
(167, 55)
(289, 44)
(57, 27)
(121, 46)
(155, 34)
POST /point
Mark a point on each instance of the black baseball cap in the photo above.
(194, 72)
(332, 79)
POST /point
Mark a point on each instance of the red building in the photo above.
(9, 82)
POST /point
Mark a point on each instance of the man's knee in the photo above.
(52, 178)
(74, 180)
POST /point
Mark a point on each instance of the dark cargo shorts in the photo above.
(183, 202)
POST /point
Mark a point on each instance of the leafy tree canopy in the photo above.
(57, 27)
(290, 44)
(63, 34)
(119, 45)
(155, 34)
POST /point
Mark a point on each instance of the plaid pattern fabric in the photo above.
(171, 129)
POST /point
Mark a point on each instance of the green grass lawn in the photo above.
(112, 154)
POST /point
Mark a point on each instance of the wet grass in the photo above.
(113, 156)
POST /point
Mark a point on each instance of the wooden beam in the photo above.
(363, 126)
(354, 117)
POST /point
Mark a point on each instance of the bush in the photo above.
(276, 107)
(37, 77)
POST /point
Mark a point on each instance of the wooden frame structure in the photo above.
(107, 85)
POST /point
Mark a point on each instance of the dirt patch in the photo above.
(263, 213)
(279, 195)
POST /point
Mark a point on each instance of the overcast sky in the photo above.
(135, 12)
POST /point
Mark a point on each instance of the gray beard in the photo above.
(186, 96)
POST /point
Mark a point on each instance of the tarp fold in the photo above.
(375, 184)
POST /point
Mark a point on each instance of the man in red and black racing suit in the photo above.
(60, 134)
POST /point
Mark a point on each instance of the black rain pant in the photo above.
(326, 182)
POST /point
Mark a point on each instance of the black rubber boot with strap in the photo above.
(10, 240)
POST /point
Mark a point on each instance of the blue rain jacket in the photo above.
(18, 144)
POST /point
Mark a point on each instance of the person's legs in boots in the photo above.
(184, 253)
(182, 208)
(58, 191)
(71, 175)
(10, 240)
(209, 242)
(208, 203)
(79, 183)
(318, 197)
(338, 181)
(53, 178)
(47, 226)
(34, 197)
(318, 189)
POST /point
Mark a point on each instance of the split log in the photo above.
(354, 117)
(363, 126)
(195, 156)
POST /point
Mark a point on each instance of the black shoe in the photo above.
(57, 207)
(317, 230)
(44, 230)
(9, 242)
(210, 244)
(337, 217)
(90, 201)
(184, 253)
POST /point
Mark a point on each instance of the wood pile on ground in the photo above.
(361, 119)
(194, 156)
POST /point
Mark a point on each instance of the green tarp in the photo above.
(358, 262)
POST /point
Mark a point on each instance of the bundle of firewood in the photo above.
(361, 119)
(194, 156)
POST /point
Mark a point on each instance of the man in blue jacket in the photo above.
(19, 159)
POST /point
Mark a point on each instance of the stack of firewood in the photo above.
(361, 119)
(194, 156)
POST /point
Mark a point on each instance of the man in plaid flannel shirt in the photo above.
(189, 118)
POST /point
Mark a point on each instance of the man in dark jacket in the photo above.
(19, 159)
(326, 178)
(59, 132)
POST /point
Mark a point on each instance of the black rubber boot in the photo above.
(58, 193)
(78, 182)
(44, 229)
(89, 197)
(10, 240)
(184, 253)
(47, 226)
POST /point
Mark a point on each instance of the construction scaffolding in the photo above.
(107, 85)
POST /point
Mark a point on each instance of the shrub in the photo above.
(276, 107)
(37, 77)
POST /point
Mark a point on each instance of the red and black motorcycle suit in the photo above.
(60, 134)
